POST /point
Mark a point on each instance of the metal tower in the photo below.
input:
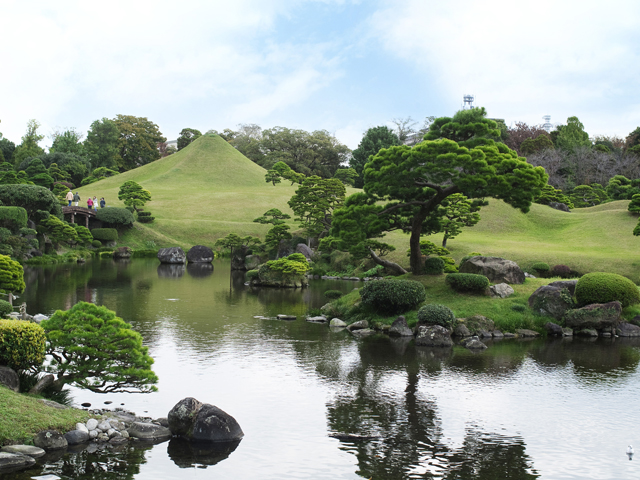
(468, 101)
(547, 123)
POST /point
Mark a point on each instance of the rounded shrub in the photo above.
(561, 271)
(96, 244)
(434, 314)
(251, 274)
(541, 268)
(467, 282)
(449, 265)
(146, 219)
(434, 266)
(393, 296)
(333, 294)
(600, 287)
(22, 344)
(5, 308)
(117, 217)
(105, 234)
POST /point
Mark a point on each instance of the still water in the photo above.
(316, 404)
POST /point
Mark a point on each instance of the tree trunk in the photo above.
(415, 259)
(43, 383)
(394, 267)
(444, 241)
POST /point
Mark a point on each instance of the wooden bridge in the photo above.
(72, 211)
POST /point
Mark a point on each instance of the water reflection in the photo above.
(171, 270)
(199, 270)
(186, 454)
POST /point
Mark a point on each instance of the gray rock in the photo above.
(286, 317)
(336, 322)
(560, 206)
(497, 334)
(553, 329)
(124, 434)
(362, 332)
(52, 404)
(28, 450)
(182, 416)
(587, 332)
(305, 250)
(597, 315)
(93, 434)
(485, 334)
(461, 330)
(82, 426)
(103, 438)
(200, 254)
(625, 329)
(251, 262)
(111, 432)
(501, 290)
(477, 323)
(104, 426)
(497, 270)
(551, 300)
(119, 425)
(214, 425)
(433, 336)
(92, 424)
(164, 421)
(172, 255)
(50, 440)
(358, 325)
(318, 319)
(568, 284)
(9, 378)
(523, 332)
(567, 332)
(38, 317)
(15, 461)
(118, 440)
(509, 335)
(146, 431)
(399, 328)
(75, 437)
(473, 343)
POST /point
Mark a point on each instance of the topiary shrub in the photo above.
(393, 296)
(333, 294)
(25, 232)
(434, 266)
(561, 271)
(13, 218)
(146, 219)
(434, 314)
(11, 275)
(5, 308)
(105, 234)
(600, 287)
(96, 244)
(22, 344)
(116, 217)
(144, 214)
(467, 282)
(449, 265)
(541, 268)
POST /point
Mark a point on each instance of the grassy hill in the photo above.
(209, 189)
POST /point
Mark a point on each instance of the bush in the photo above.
(13, 218)
(541, 268)
(333, 294)
(145, 253)
(4, 234)
(561, 271)
(146, 219)
(318, 271)
(144, 214)
(5, 308)
(602, 287)
(105, 234)
(11, 275)
(449, 265)
(117, 217)
(96, 244)
(467, 282)
(433, 266)
(22, 344)
(251, 274)
(393, 296)
(434, 314)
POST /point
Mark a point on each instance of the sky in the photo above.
(338, 65)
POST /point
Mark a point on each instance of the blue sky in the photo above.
(338, 65)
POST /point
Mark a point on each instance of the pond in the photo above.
(318, 404)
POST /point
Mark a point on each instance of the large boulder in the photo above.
(552, 301)
(625, 329)
(501, 290)
(148, 431)
(399, 328)
(76, 437)
(305, 250)
(50, 440)
(9, 378)
(497, 270)
(568, 284)
(172, 255)
(433, 336)
(15, 461)
(251, 262)
(594, 316)
(200, 254)
(477, 324)
(194, 420)
(29, 450)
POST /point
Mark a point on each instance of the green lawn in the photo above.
(209, 190)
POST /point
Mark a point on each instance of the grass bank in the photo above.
(22, 416)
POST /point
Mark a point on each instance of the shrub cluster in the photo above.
(467, 282)
(105, 234)
(22, 344)
(434, 266)
(449, 265)
(96, 244)
(13, 218)
(115, 216)
(5, 308)
(434, 314)
(393, 296)
(145, 217)
(561, 271)
(600, 287)
(333, 294)
(251, 274)
(541, 268)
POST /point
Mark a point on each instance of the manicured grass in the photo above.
(22, 416)
(209, 190)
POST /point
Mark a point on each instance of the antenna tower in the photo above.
(547, 123)
(468, 101)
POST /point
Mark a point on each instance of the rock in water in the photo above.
(200, 254)
(172, 255)
(203, 422)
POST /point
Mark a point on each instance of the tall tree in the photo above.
(314, 203)
(137, 141)
(520, 132)
(7, 147)
(572, 136)
(102, 144)
(29, 146)
(247, 140)
(372, 142)
(69, 141)
(187, 135)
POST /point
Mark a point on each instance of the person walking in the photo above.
(89, 203)
(76, 198)
(102, 203)
(95, 204)
(69, 197)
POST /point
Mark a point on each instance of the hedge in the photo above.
(105, 234)
(13, 218)
(600, 287)
(434, 266)
(22, 344)
(393, 296)
(115, 216)
(467, 282)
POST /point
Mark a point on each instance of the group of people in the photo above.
(92, 203)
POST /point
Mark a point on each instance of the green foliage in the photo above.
(434, 314)
(84, 235)
(118, 217)
(22, 344)
(105, 234)
(466, 127)
(146, 219)
(98, 174)
(273, 216)
(433, 266)
(551, 194)
(13, 218)
(187, 135)
(572, 136)
(4, 234)
(634, 204)
(333, 294)
(96, 244)
(518, 308)
(11, 275)
(314, 202)
(428, 248)
(30, 197)
(347, 176)
(621, 188)
(145, 253)
(5, 308)
(102, 144)
(251, 274)
(467, 282)
(468, 256)
(289, 267)
(456, 212)
(449, 264)
(95, 350)
(530, 146)
(29, 146)
(372, 142)
(59, 231)
(541, 268)
(599, 287)
(588, 195)
(275, 235)
(138, 141)
(392, 296)
(133, 195)
(562, 271)
(373, 272)
(235, 241)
